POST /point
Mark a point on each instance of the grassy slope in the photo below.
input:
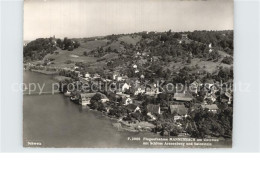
(130, 39)
(77, 55)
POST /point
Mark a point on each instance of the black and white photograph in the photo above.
(128, 73)
(129, 91)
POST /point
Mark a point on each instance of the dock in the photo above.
(42, 93)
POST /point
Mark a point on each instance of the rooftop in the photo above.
(179, 109)
(210, 107)
(182, 97)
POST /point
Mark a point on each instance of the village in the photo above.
(142, 100)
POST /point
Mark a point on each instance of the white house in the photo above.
(114, 76)
(212, 108)
(87, 75)
(139, 90)
(119, 78)
(127, 100)
(177, 117)
(124, 87)
(96, 76)
(84, 98)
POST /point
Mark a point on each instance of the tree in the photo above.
(93, 104)
(101, 106)
(177, 35)
(95, 100)
(97, 97)
(174, 131)
(189, 60)
(59, 42)
(227, 60)
(77, 44)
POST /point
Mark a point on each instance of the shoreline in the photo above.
(116, 122)
(45, 72)
(124, 126)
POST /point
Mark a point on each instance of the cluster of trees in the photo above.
(227, 60)
(184, 75)
(167, 45)
(213, 56)
(220, 39)
(200, 124)
(112, 37)
(95, 103)
(170, 48)
(167, 128)
(71, 74)
(224, 74)
(117, 111)
(67, 44)
(101, 51)
(208, 123)
(133, 117)
(166, 36)
(37, 49)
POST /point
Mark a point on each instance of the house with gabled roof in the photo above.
(179, 109)
(195, 85)
(124, 87)
(211, 107)
(84, 98)
(183, 97)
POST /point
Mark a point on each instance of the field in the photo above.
(65, 58)
(117, 51)
(200, 64)
(68, 59)
(130, 39)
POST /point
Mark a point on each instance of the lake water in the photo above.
(55, 121)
